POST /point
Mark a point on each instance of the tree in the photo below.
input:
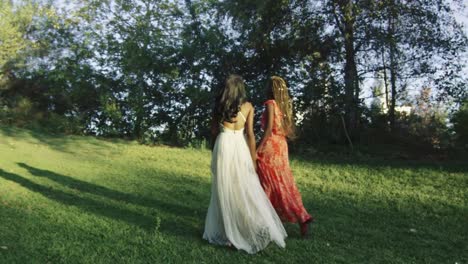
(138, 48)
(345, 15)
(410, 36)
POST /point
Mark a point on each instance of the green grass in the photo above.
(70, 199)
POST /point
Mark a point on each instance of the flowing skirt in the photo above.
(277, 180)
(239, 212)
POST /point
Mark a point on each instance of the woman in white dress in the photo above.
(240, 214)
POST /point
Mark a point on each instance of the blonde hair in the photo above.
(277, 90)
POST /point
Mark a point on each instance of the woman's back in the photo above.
(273, 161)
(239, 122)
(277, 128)
(240, 212)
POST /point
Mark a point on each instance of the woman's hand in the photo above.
(260, 145)
(255, 161)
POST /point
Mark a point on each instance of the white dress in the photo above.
(239, 212)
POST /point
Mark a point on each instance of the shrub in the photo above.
(460, 125)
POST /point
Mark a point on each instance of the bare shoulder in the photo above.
(247, 106)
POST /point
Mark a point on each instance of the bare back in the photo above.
(239, 122)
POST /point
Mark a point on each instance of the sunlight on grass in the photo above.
(66, 199)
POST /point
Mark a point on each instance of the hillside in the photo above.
(71, 199)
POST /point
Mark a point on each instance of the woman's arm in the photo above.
(270, 108)
(251, 136)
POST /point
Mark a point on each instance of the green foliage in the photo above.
(424, 130)
(460, 125)
(429, 131)
(21, 25)
(13, 27)
(25, 113)
(150, 70)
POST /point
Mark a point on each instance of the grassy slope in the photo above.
(80, 199)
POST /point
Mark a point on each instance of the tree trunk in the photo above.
(351, 81)
(385, 77)
(139, 111)
(393, 66)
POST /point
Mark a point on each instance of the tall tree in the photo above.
(345, 14)
(139, 45)
(417, 40)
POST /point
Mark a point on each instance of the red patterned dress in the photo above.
(276, 175)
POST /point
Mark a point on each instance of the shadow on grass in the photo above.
(90, 205)
(178, 211)
(99, 208)
(377, 163)
(83, 186)
(358, 231)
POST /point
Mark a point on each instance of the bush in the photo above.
(25, 114)
(55, 123)
(460, 125)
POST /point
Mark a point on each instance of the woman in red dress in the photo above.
(272, 156)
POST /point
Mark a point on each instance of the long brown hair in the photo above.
(276, 89)
(230, 98)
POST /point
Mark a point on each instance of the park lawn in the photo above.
(73, 199)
